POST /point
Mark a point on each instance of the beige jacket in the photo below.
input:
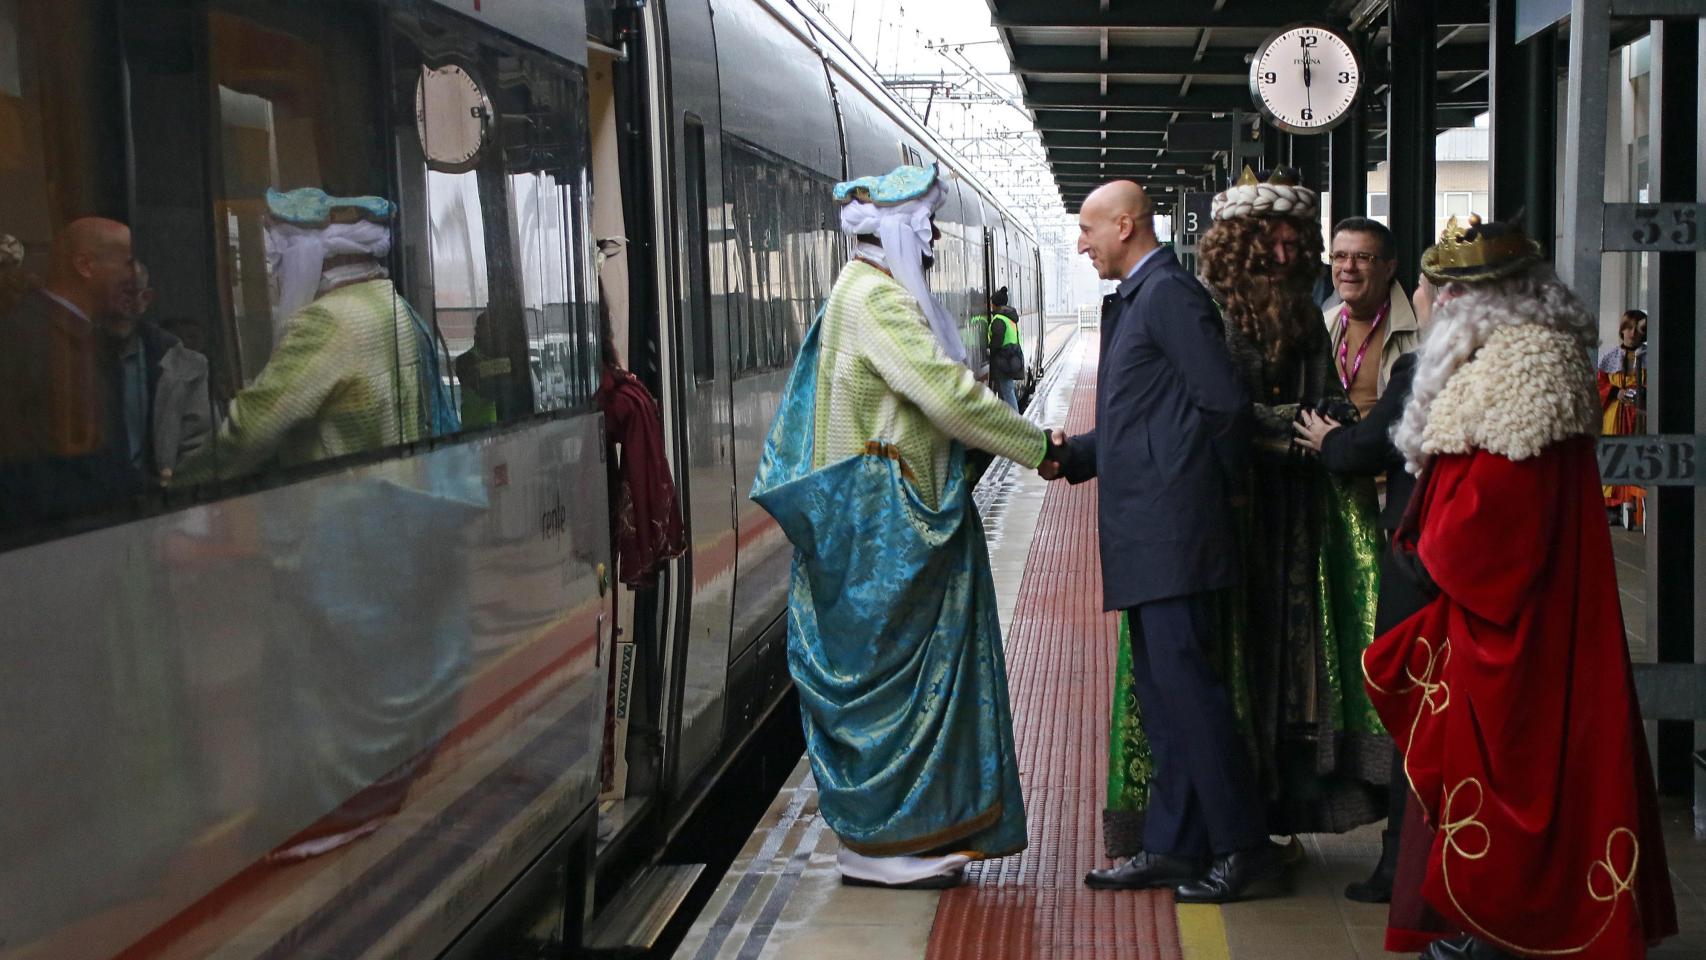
(1403, 334)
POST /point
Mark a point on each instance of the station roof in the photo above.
(1104, 78)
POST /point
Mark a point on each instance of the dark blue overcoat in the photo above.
(1172, 439)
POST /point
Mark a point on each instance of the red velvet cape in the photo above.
(1512, 699)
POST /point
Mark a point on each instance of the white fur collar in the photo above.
(1527, 388)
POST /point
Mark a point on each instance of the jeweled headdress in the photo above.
(1281, 196)
(1479, 252)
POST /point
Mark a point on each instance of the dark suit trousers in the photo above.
(1203, 797)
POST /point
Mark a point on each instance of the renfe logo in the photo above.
(555, 521)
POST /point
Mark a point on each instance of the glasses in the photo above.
(1361, 257)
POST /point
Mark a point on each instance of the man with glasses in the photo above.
(1374, 324)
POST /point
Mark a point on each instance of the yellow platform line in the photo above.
(1202, 932)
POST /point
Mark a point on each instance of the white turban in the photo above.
(297, 255)
(905, 232)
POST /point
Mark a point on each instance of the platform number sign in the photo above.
(1198, 206)
(1655, 227)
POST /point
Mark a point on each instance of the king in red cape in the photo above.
(1510, 693)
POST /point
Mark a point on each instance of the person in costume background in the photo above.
(1623, 397)
(893, 638)
(1310, 543)
(1510, 692)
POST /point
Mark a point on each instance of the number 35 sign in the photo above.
(1659, 227)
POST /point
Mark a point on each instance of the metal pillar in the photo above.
(1273, 148)
(1672, 550)
(1308, 155)
(1583, 244)
(1523, 124)
(1347, 170)
(1410, 131)
(1699, 424)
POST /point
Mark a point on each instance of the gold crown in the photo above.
(1471, 253)
(1279, 177)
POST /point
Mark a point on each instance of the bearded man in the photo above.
(893, 639)
(1305, 608)
(1510, 693)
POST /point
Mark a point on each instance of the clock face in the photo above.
(1305, 79)
(451, 117)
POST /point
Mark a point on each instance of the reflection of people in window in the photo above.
(355, 368)
(161, 385)
(61, 449)
(492, 390)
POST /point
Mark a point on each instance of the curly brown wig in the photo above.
(1270, 304)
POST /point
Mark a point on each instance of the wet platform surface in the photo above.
(782, 898)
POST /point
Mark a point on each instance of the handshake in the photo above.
(1050, 468)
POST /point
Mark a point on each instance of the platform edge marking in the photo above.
(1202, 932)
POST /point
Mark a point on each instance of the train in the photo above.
(395, 702)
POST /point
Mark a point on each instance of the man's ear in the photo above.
(1128, 226)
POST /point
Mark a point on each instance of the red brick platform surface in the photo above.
(1060, 662)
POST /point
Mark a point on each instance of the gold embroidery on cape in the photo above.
(1432, 701)
(1621, 881)
(1436, 696)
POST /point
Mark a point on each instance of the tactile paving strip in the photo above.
(1060, 661)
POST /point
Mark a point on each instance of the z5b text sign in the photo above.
(1664, 460)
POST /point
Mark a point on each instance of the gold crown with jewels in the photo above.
(1479, 252)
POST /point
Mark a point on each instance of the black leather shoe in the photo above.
(1244, 875)
(1378, 887)
(1145, 871)
(1453, 948)
(1482, 950)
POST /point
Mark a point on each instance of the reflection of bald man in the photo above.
(59, 446)
(1171, 434)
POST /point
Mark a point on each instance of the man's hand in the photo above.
(1313, 429)
(1050, 469)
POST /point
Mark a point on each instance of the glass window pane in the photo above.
(74, 383)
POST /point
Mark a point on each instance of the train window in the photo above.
(783, 248)
(65, 440)
(698, 253)
(489, 142)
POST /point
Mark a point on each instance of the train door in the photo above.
(689, 117)
(651, 184)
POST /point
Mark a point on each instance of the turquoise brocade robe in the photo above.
(894, 643)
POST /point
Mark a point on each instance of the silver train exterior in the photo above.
(357, 707)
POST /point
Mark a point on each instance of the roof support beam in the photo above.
(1111, 141)
(1044, 60)
(1089, 121)
(1031, 14)
(1133, 96)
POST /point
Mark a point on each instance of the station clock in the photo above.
(453, 117)
(1305, 78)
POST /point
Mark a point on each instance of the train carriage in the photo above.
(357, 700)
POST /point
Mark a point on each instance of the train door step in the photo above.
(638, 915)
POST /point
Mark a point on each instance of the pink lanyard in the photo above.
(1345, 342)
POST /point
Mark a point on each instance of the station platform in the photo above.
(782, 898)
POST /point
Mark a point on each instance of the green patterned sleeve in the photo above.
(901, 348)
(304, 370)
